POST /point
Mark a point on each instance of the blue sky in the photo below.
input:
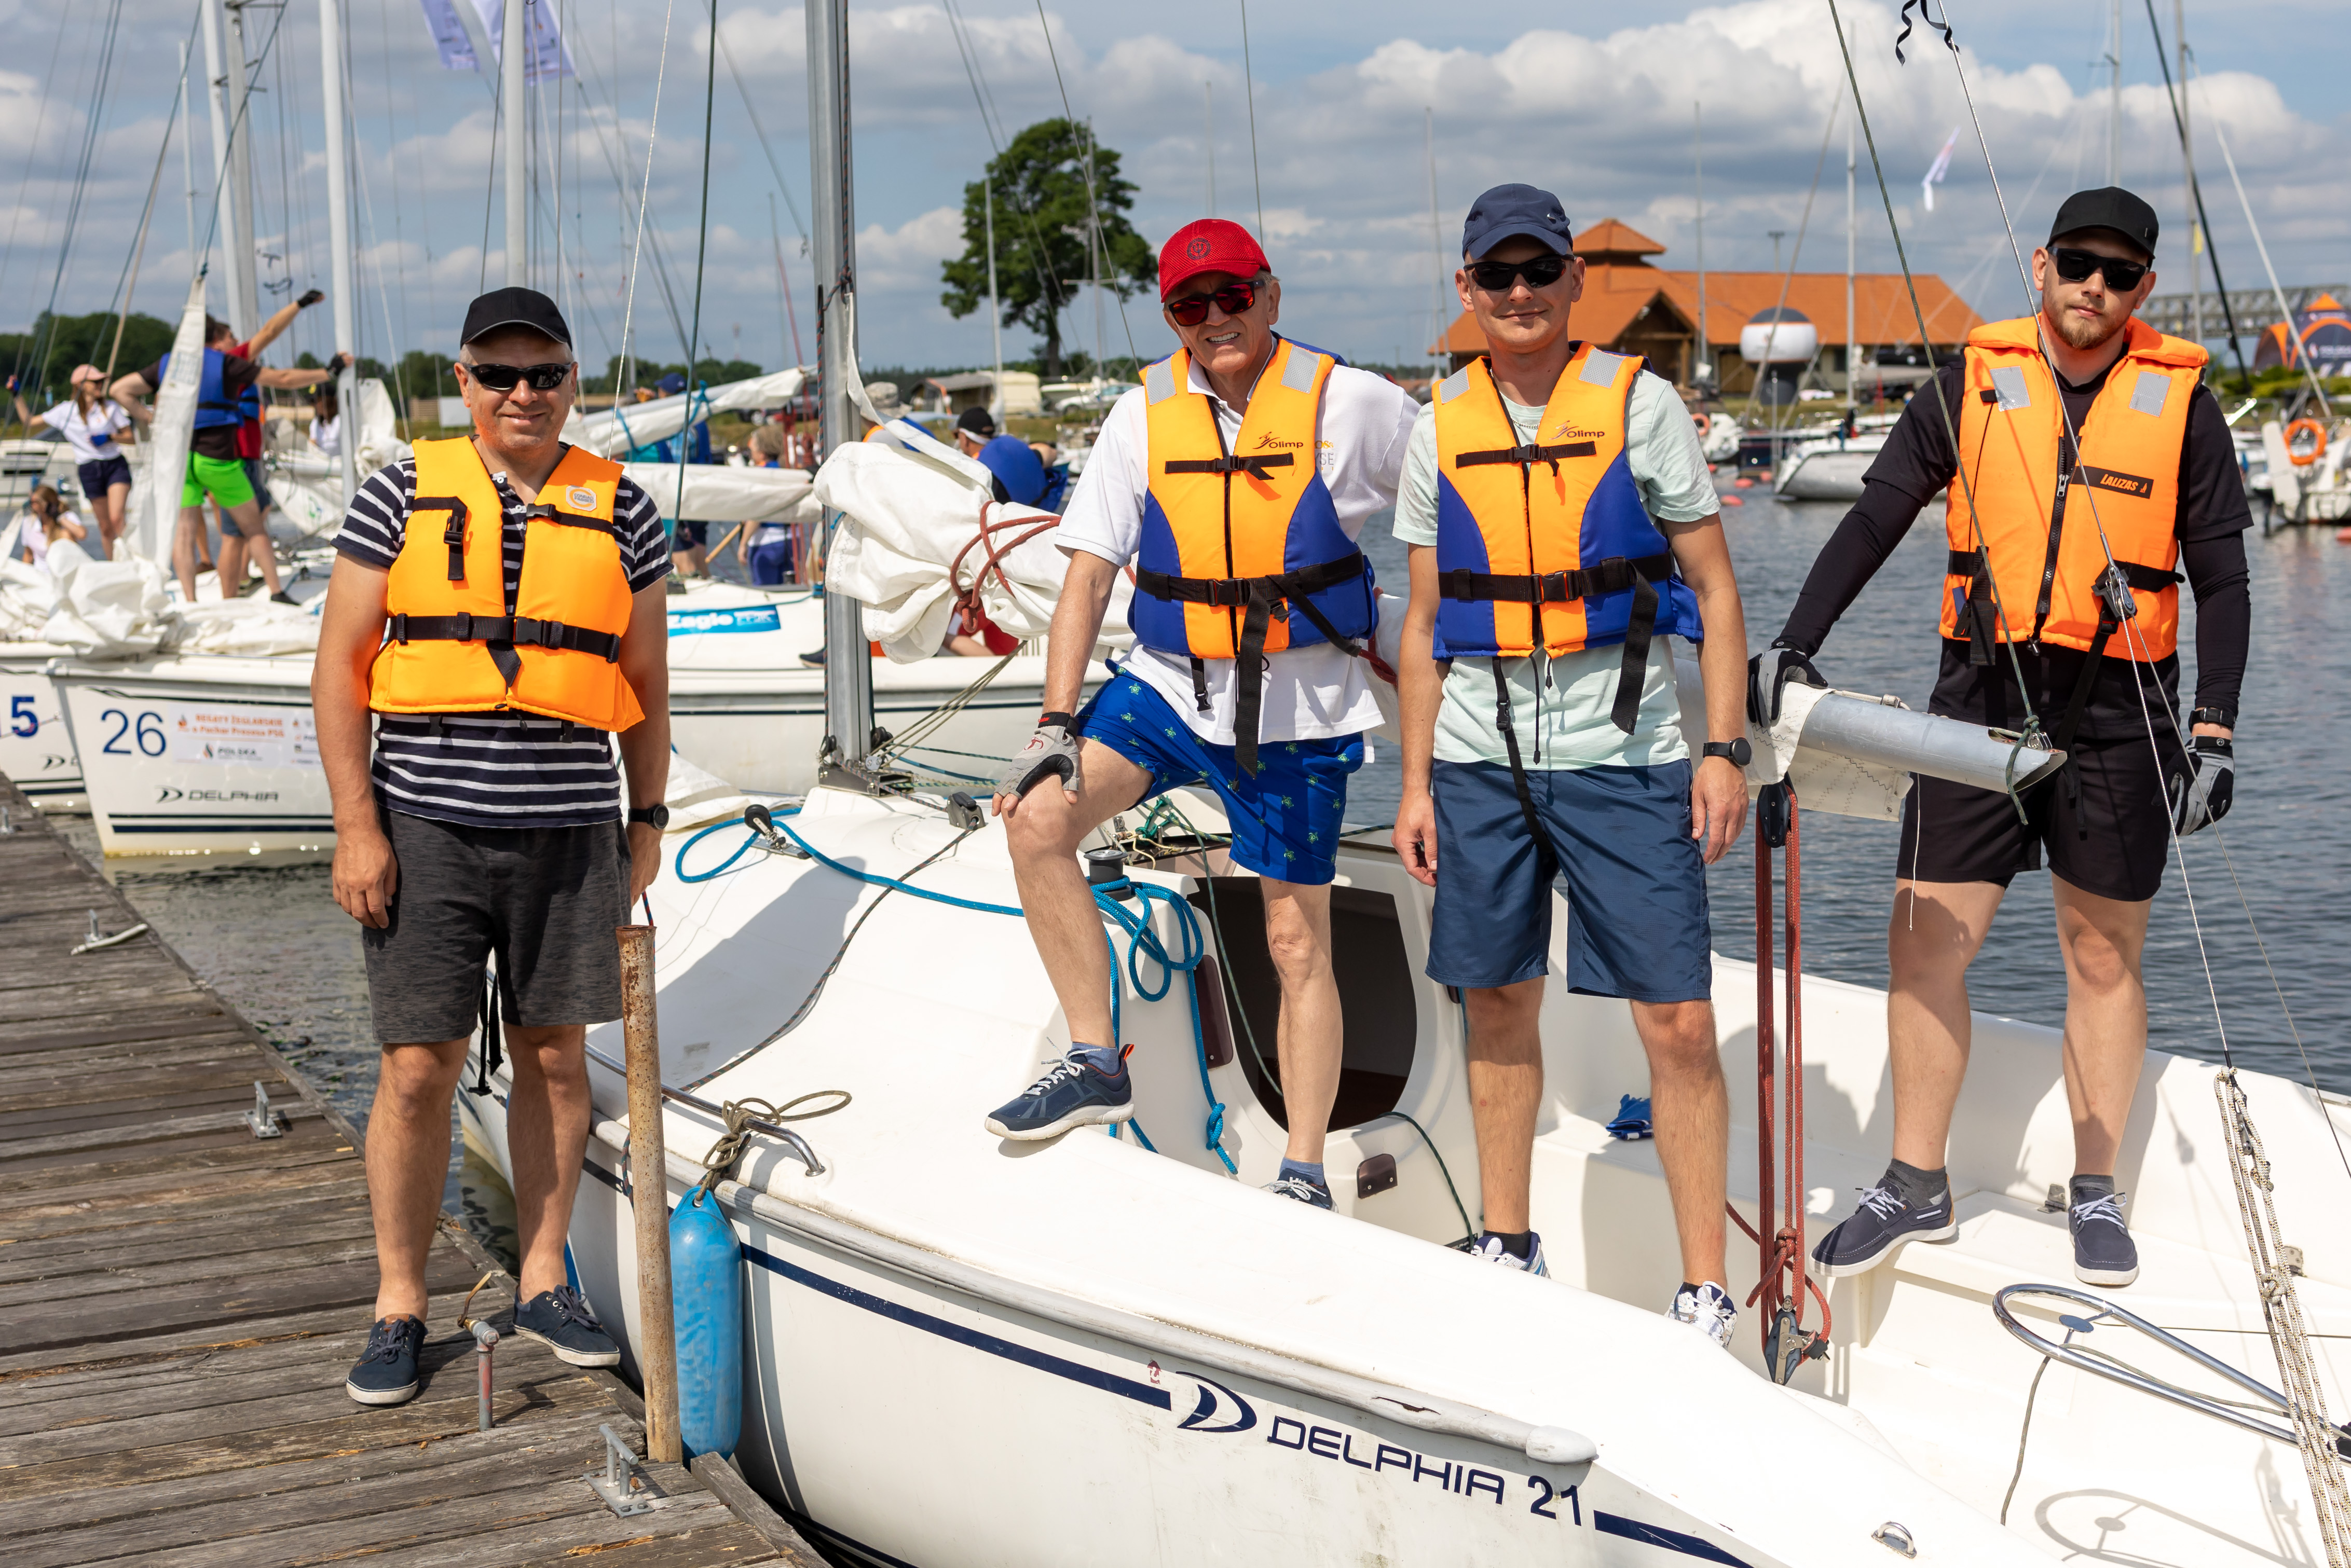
(1596, 103)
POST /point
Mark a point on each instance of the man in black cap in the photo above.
(498, 612)
(974, 428)
(2090, 462)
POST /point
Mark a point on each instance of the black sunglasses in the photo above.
(1496, 276)
(2075, 266)
(1233, 299)
(502, 377)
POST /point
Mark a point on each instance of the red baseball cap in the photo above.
(1208, 245)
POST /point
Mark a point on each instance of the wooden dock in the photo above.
(179, 1300)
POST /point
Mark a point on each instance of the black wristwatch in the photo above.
(2225, 717)
(1736, 752)
(656, 815)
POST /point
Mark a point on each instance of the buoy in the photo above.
(2317, 443)
(1744, 482)
(2343, 536)
(1733, 501)
(705, 1271)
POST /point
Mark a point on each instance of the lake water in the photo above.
(271, 940)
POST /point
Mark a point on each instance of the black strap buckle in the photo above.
(400, 629)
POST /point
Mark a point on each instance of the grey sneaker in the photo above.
(2103, 1252)
(386, 1373)
(1314, 1195)
(1707, 1308)
(1490, 1250)
(1881, 1224)
(561, 1322)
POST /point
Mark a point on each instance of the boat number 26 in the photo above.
(146, 731)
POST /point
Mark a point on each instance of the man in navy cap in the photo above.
(2096, 462)
(1563, 528)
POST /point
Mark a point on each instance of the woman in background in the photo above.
(44, 525)
(768, 549)
(327, 421)
(89, 421)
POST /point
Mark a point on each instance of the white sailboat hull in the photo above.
(1828, 471)
(36, 751)
(1015, 1309)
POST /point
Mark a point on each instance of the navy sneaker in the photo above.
(1490, 1249)
(1707, 1308)
(386, 1373)
(1074, 1092)
(1882, 1223)
(2103, 1252)
(559, 1320)
(1311, 1192)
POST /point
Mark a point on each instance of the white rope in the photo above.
(644, 199)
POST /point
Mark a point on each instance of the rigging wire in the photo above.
(1249, 87)
(644, 199)
(2177, 99)
(1093, 207)
(760, 131)
(128, 283)
(1796, 254)
(32, 154)
(992, 122)
(701, 250)
(43, 340)
(2261, 246)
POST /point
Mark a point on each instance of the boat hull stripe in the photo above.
(1658, 1535)
(1108, 1381)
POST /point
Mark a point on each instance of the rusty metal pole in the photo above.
(649, 1188)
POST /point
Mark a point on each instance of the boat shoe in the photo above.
(1311, 1192)
(559, 1320)
(1707, 1308)
(2103, 1252)
(386, 1373)
(1073, 1093)
(1882, 1223)
(1490, 1250)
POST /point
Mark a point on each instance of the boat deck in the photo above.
(179, 1300)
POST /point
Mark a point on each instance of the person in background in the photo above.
(327, 421)
(1563, 490)
(44, 525)
(89, 421)
(689, 537)
(489, 819)
(2029, 594)
(764, 549)
(213, 466)
(250, 440)
(974, 429)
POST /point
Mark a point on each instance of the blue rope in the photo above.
(1136, 1128)
(1143, 946)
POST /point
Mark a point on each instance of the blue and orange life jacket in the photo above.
(1234, 542)
(1547, 544)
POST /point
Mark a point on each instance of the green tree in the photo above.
(1042, 215)
(58, 343)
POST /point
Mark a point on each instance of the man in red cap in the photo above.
(1236, 479)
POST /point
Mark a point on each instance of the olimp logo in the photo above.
(1271, 441)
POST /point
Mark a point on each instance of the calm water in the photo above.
(271, 940)
(2287, 837)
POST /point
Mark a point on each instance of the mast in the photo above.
(1697, 121)
(1095, 249)
(224, 210)
(2114, 103)
(511, 50)
(995, 311)
(1435, 253)
(1851, 232)
(187, 154)
(245, 308)
(2187, 163)
(342, 290)
(848, 672)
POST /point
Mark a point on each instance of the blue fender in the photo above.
(705, 1271)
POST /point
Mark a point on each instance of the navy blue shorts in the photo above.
(1620, 838)
(96, 476)
(1285, 821)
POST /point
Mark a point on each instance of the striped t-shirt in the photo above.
(495, 769)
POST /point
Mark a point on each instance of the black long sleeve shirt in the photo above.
(1918, 465)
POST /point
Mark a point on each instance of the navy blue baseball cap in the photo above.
(1510, 210)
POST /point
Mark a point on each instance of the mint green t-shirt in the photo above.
(1560, 706)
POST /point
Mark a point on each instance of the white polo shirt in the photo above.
(1311, 693)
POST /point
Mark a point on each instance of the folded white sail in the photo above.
(614, 430)
(715, 493)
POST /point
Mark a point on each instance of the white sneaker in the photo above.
(1490, 1250)
(1708, 1309)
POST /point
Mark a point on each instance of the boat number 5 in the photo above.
(1542, 1505)
(22, 719)
(148, 732)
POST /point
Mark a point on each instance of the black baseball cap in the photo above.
(2107, 207)
(1508, 211)
(515, 308)
(977, 420)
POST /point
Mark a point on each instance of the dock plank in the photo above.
(180, 1303)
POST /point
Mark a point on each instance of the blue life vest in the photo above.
(212, 407)
(1019, 471)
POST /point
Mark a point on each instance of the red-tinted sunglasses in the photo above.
(1233, 299)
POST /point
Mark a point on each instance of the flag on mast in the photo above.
(449, 38)
(547, 58)
(1940, 167)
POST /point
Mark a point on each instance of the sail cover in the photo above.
(719, 494)
(153, 512)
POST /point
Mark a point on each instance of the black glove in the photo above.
(1051, 751)
(1769, 671)
(2201, 792)
(310, 299)
(339, 364)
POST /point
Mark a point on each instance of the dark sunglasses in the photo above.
(1233, 299)
(502, 377)
(1496, 276)
(2075, 266)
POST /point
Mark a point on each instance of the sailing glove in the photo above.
(1053, 749)
(2201, 793)
(1768, 673)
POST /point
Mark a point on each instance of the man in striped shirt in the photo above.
(499, 832)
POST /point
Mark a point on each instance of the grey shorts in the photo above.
(544, 900)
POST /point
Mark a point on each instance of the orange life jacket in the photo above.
(1554, 528)
(2041, 527)
(1241, 553)
(453, 647)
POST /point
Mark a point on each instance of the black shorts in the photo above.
(106, 471)
(545, 900)
(691, 533)
(2103, 821)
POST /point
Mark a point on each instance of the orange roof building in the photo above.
(1633, 306)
